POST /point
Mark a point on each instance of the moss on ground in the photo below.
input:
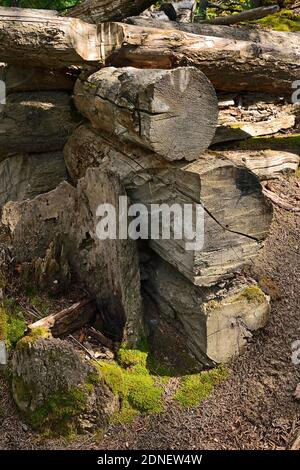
(253, 294)
(56, 416)
(12, 322)
(35, 335)
(195, 388)
(271, 143)
(130, 380)
(284, 20)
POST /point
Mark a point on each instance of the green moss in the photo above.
(12, 322)
(56, 416)
(195, 388)
(273, 143)
(284, 20)
(253, 294)
(131, 381)
(21, 390)
(35, 335)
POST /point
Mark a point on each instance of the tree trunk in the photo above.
(35, 122)
(173, 113)
(41, 38)
(98, 11)
(234, 226)
(264, 37)
(229, 64)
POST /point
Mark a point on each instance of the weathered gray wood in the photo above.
(246, 33)
(230, 64)
(238, 130)
(108, 268)
(266, 164)
(69, 319)
(234, 225)
(108, 10)
(174, 113)
(182, 11)
(26, 176)
(217, 322)
(43, 39)
(35, 122)
(21, 78)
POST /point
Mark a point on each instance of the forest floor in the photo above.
(254, 408)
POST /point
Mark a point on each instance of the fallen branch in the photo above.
(68, 320)
(279, 201)
(248, 15)
(96, 334)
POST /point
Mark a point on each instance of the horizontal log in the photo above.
(238, 130)
(42, 38)
(247, 15)
(171, 112)
(25, 176)
(264, 37)
(230, 64)
(69, 319)
(266, 164)
(98, 11)
(21, 78)
(234, 226)
(217, 322)
(35, 122)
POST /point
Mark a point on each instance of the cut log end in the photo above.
(171, 112)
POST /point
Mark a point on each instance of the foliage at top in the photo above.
(41, 4)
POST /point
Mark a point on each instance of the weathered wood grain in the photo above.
(171, 112)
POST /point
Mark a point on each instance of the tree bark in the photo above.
(98, 11)
(35, 122)
(68, 320)
(229, 64)
(234, 226)
(41, 38)
(173, 113)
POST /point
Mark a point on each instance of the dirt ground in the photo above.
(254, 408)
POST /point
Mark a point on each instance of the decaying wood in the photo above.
(25, 176)
(229, 64)
(266, 164)
(96, 334)
(182, 11)
(247, 15)
(108, 268)
(239, 130)
(279, 201)
(35, 122)
(234, 226)
(42, 38)
(217, 322)
(264, 37)
(108, 10)
(171, 112)
(21, 78)
(69, 319)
